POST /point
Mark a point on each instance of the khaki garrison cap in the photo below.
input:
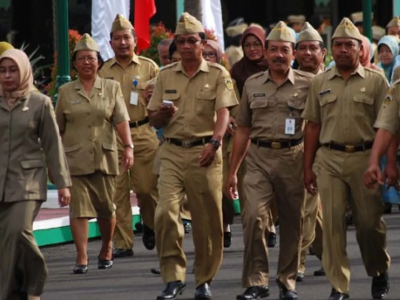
(358, 17)
(188, 24)
(86, 43)
(296, 19)
(378, 32)
(308, 33)
(281, 33)
(236, 30)
(346, 29)
(121, 23)
(395, 22)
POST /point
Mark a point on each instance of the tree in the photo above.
(194, 8)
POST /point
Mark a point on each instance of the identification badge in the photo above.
(290, 125)
(134, 98)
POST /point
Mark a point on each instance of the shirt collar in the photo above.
(135, 59)
(290, 76)
(97, 84)
(203, 67)
(360, 70)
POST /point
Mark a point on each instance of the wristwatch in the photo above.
(130, 146)
(215, 143)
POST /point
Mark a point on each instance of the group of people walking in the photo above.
(294, 144)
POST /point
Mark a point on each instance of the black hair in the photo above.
(132, 31)
(316, 21)
(99, 58)
(321, 44)
(172, 49)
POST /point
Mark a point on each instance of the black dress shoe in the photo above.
(227, 239)
(284, 293)
(319, 272)
(105, 263)
(172, 290)
(380, 286)
(300, 277)
(118, 253)
(254, 292)
(271, 239)
(148, 238)
(335, 295)
(203, 292)
(80, 269)
(156, 271)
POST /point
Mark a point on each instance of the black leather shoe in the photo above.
(254, 292)
(335, 295)
(284, 293)
(172, 290)
(156, 271)
(300, 277)
(319, 272)
(203, 292)
(148, 238)
(80, 269)
(380, 286)
(105, 263)
(227, 239)
(271, 240)
(118, 253)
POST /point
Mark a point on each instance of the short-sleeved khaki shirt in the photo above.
(265, 107)
(142, 69)
(346, 109)
(197, 98)
(87, 125)
(396, 74)
(389, 115)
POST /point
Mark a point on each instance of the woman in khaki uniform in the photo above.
(28, 133)
(87, 111)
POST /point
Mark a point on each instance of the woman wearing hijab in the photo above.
(388, 50)
(253, 61)
(89, 111)
(367, 54)
(28, 134)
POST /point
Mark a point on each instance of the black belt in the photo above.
(190, 144)
(139, 123)
(277, 144)
(349, 148)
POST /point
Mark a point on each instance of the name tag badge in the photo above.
(134, 98)
(290, 125)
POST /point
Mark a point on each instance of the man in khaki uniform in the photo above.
(342, 106)
(296, 22)
(133, 72)
(310, 55)
(191, 100)
(269, 116)
(393, 27)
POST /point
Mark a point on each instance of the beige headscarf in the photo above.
(25, 71)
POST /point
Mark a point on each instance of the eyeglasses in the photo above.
(87, 58)
(190, 41)
(209, 54)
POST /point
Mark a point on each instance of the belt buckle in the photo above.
(186, 144)
(349, 148)
(276, 145)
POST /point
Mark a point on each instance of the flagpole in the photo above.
(63, 67)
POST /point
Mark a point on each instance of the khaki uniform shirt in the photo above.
(265, 107)
(28, 135)
(197, 98)
(87, 125)
(348, 109)
(389, 115)
(396, 74)
(142, 69)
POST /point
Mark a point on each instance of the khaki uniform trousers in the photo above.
(312, 229)
(272, 173)
(338, 175)
(180, 173)
(22, 267)
(143, 182)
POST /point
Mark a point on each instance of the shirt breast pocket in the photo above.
(327, 101)
(363, 106)
(175, 97)
(259, 104)
(205, 102)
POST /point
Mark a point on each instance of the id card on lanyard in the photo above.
(290, 123)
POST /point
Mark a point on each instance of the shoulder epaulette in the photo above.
(148, 60)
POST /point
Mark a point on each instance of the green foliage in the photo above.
(158, 33)
(328, 59)
(35, 58)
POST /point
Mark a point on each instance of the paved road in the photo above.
(130, 278)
